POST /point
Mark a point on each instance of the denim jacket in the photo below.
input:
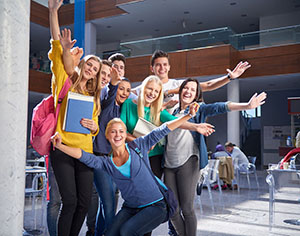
(205, 110)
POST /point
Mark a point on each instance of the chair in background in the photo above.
(211, 176)
(247, 170)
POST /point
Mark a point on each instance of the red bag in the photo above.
(44, 119)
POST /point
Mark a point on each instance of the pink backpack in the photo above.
(44, 119)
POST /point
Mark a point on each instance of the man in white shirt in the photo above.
(237, 155)
(160, 66)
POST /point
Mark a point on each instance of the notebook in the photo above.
(78, 106)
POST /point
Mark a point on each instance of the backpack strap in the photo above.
(61, 95)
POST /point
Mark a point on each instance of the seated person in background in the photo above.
(220, 152)
(237, 155)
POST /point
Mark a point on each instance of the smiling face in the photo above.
(151, 92)
(123, 92)
(120, 66)
(161, 68)
(116, 134)
(90, 69)
(104, 75)
(188, 93)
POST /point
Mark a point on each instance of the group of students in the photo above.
(106, 156)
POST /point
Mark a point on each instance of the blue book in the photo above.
(78, 107)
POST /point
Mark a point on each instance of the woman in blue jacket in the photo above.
(186, 152)
(144, 207)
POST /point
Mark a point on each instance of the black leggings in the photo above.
(75, 181)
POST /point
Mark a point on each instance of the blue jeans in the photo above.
(106, 190)
(138, 221)
(54, 203)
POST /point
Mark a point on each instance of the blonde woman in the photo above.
(144, 207)
(73, 178)
(149, 107)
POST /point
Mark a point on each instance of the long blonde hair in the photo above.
(93, 86)
(156, 106)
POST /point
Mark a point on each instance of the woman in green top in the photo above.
(149, 107)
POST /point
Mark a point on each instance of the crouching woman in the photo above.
(144, 207)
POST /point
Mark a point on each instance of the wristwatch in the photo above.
(228, 76)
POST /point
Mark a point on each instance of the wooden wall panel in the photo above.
(178, 64)
(39, 14)
(39, 82)
(207, 61)
(137, 68)
(272, 61)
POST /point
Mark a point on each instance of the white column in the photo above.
(14, 51)
(233, 117)
(90, 40)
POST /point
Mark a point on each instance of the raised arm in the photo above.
(219, 82)
(255, 101)
(67, 43)
(53, 6)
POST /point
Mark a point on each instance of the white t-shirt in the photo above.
(171, 84)
(240, 156)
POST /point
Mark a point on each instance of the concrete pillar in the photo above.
(90, 39)
(233, 117)
(14, 64)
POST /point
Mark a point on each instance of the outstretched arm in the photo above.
(255, 101)
(67, 43)
(71, 151)
(219, 82)
(53, 6)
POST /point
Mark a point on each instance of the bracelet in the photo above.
(190, 115)
(228, 76)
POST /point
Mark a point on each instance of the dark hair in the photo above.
(158, 54)
(106, 62)
(229, 144)
(125, 79)
(198, 97)
(117, 57)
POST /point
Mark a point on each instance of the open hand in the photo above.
(65, 39)
(114, 75)
(257, 100)
(205, 129)
(238, 70)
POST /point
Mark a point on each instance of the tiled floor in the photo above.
(244, 213)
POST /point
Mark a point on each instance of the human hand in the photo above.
(76, 53)
(114, 75)
(238, 70)
(257, 100)
(65, 39)
(169, 104)
(89, 124)
(193, 109)
(56, 140)
(205, 129)
(54, 4)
